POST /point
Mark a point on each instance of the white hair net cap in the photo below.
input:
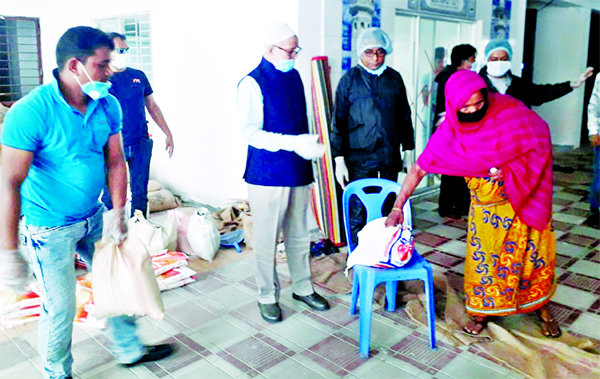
(278, 32)
(371, 38)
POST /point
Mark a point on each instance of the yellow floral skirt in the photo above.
(509, 267)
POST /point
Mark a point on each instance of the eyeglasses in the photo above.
(291, 53)
(379, 53)
(122, 50)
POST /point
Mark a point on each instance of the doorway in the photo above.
(422, 47)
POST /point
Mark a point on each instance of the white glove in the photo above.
(409, 160)
(580, 80)
(115, 225)
(308, 147)
(341, 172)
(14, 271)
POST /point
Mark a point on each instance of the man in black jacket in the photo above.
(497, 75)
(372, 120)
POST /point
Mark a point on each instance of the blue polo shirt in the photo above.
(67, 173)
(131, 87)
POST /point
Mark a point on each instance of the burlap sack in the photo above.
(161, 200)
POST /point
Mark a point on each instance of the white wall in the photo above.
(200, 52)
(561, 43)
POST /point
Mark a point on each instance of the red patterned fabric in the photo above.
(510, 137)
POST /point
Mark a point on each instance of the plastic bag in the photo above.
(203, 234)
(123, 281)
(381, 246)
(183, 221)
(154, 237)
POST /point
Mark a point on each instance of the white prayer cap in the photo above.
(278, 32)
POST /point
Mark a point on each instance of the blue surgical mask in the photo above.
(285, 65)
(95, 90)
(474, 67)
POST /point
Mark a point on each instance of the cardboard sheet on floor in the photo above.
(515, 341)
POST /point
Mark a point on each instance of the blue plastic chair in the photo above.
(367, 278)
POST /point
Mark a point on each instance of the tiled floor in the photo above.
(218, 332)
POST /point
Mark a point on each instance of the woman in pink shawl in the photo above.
(503, 150)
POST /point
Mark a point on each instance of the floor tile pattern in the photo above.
(217, 330)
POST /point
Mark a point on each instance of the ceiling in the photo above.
(540, 4)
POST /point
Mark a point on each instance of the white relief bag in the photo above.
(203, 235)
(123, 281)
(155, 237)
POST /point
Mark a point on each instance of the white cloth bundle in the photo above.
(381, 246)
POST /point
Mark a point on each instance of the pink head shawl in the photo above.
(510, 137)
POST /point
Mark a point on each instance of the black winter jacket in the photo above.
(371, 119)
(529, 93)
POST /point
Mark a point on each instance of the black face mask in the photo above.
(473, 117)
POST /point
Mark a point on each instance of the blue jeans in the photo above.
(138, 159)
(51, 254)
(595, 189)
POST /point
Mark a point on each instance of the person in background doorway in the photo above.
(504, 150)
(132, 88)
(61, 144)
(454, 199)
(274, 123)
(462, 57)
(371, 121)
(594, 132)
(429, 88)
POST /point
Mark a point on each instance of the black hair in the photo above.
(461, 53)
(114, 35)
(80, 42)
(440, 53)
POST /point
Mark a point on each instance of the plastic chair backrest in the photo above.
(373, 201)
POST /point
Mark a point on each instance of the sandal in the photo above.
(476, 325)
(550, 327)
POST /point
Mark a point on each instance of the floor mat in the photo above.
(514, 340)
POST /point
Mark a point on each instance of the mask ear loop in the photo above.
(85, 72)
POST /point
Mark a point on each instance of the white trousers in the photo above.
(274, 209)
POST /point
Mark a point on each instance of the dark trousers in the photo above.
(138, 160)
(358, 213)
(455, 196)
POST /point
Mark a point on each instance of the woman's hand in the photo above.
(396, 217)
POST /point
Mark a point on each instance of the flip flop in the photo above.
(476, 325)
(549, 324)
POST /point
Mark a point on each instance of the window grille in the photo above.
(136, 29)
(20, 57)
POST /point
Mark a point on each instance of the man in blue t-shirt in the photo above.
(132, 88)
(61, 144)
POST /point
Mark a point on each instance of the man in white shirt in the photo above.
(279, 169)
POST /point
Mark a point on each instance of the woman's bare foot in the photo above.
(550, 327)
(476, 325)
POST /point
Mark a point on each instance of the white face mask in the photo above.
(119, 61)
(498, 68)
(377, 72)
(94, 89)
